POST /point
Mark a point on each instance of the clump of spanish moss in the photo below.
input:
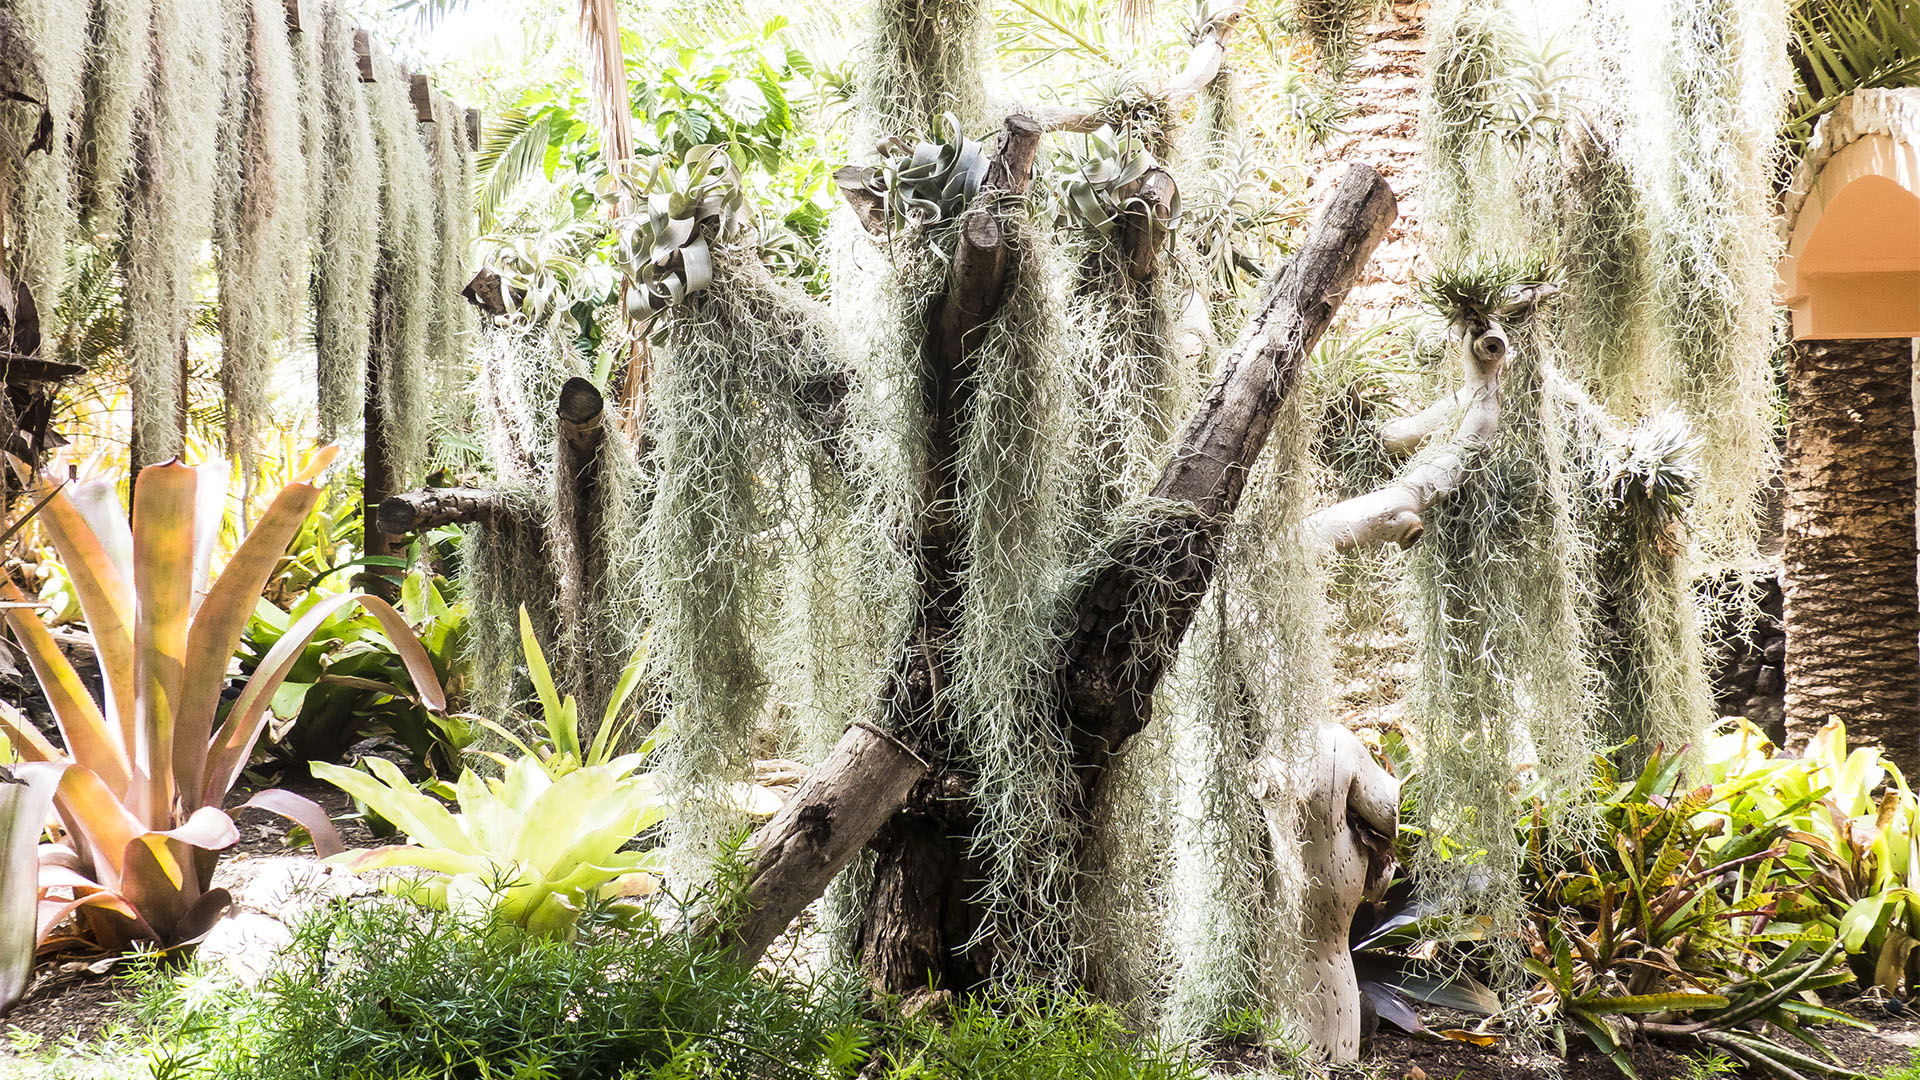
(1705, 155)
(508, 562)
(923, 60)
(347, 198)
(261, 219)
(1246, 711)
(117, 59)
(171, 216)
(1648, 637)
(729, 376)
(1603, 245)
(1016, 537)
(1506, 690)
(1130, 383)
(1470, 53)
(452, 324)
(405, 303)
(48, 209)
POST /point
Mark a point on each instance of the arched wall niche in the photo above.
(1852, 263)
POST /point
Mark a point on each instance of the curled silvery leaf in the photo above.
(1100, 183)
(920, 183)
(665, 247)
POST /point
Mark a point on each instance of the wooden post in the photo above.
(576, 513)
(363, 53)
(377, 481)
(421, 92)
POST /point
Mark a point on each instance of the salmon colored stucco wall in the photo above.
(1852, 268)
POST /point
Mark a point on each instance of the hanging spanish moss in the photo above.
(347, 201)
(48, 209)
(1246, 711)
(508, 562)
(1016, 535)
(453, 321)
(1129, 381)
(1467, 173)
(1506, 688)
(1648, 640)
(171, 216)
(260, 227)
(923, 59)
(730, 372)
(1603, 243)
(405, 304)
(119, 52)
(1711, 118)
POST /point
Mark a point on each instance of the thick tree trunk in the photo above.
(1852, 609)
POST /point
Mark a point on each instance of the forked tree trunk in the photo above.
(1852, 609)
(1134, 611)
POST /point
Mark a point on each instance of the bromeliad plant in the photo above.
(352, 681)
(537, 844)
(139, 786)
(1851, 826)
(1689, 926)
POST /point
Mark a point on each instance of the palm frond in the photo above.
(515, 146)
(1840, 46)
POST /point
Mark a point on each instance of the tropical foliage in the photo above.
(146, 768)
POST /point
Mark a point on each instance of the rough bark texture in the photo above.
(919, 907)
(920, 912)
(431, 508)
(1852, 613)
(820, 829)
(576, 502)
(1137, 608)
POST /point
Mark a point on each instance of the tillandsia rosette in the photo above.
(1654, 474)
(921, 183)
(1101, 182)
(666, 248)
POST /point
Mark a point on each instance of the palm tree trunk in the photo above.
(1852, 607)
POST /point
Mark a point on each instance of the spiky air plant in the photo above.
(171, 216)
(261, 217)
(1648, 633)
(347, 198)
